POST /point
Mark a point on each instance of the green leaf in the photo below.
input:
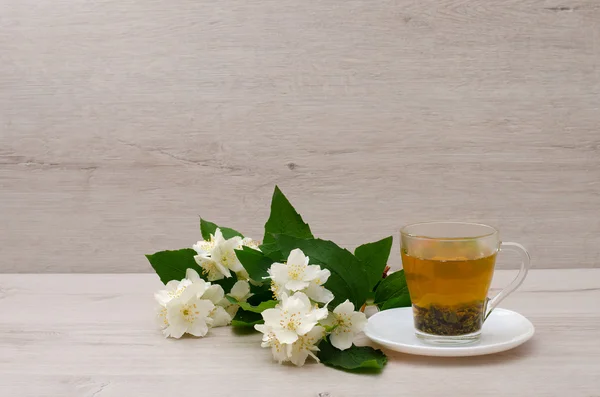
(375, 256)
(255, 262)
(284, 220)
(393, 292)
(399, 301)
(260, 293)
(348, 279)
(272, 251)
(254, 309)
(171, 265)
(246, 319)
(207, 228)
(354, 358)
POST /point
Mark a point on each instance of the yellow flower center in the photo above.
(344, 322)
(274, 289)
(295, 272)
(207, 245)
(177, 293)
(272, 340)
(209, 268)
(189, 312)
(290, 321)
(163, 316)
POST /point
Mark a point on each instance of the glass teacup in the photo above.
(449, 268)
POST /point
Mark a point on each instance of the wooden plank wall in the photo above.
(123, 120)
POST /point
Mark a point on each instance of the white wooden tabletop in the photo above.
(94, 335)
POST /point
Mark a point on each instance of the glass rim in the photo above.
(492, 231)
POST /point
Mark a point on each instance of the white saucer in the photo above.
(394, 329)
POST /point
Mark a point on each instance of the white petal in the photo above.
(305, 346)
(214, 293)
(161, 317)
(242, 275)
(235, 265)
(212, 271)
(201, 258)
(301, 301)
(318, 293)
(184, 283)
(192, 275)
(285, 335)
(311, 272)
(305, 327)
(200, 248)
(163, 297)
(278, 273)
(283, 300)
(234, 243)
(177, 324)
(224, 303)
(204, 307)
(223, 270)
(315, 315)
(248, 242)
(296, 285)
(224, 253)
(220, 317)
(298, 356)
(344, 308)
(172, 285)
(320, 314)
(329, 321)
(174, 306)
(322, 276)
(240, 290)
(358, 321)
(279, 290)
(194, 291)
(297, 303)
(279, 353)
(232, 310)
(198, 327)
(175, 330)
(262, 328)
(272, 316)
(218, 237)
(315, 335)
(341, 340)
(297, 258)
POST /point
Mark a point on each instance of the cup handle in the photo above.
(525, 262)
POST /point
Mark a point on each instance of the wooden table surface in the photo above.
(94, 335)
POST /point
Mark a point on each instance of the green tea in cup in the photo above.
(449, 268)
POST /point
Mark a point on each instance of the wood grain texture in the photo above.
(122, 120)
(94, 335)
